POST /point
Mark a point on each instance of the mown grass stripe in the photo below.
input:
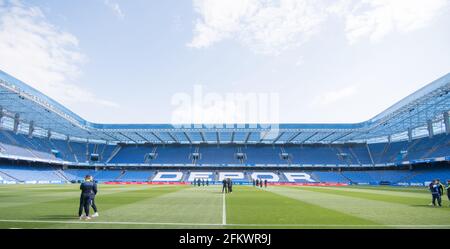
(55, 208)
(419, 200)
(249, 205)
(381, 212)
(186, 205)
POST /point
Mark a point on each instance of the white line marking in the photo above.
(110, 222)
(224, 211)
(213, 224)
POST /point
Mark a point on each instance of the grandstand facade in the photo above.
(42, 141)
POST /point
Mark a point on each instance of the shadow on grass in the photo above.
(425, 205)
(58, 217)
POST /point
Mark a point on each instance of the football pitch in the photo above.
(169, 206)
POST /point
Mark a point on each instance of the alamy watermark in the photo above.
(202, 109)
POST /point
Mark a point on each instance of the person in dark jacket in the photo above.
(230, 185)
(436, 190)
(93, 201)
(88, 191)
(448, 190)
(224, 186)
(265, 183)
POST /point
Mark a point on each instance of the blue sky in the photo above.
(117, 61)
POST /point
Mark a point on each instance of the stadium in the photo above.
(370, 174)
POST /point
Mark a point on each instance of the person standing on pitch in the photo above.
(230, 185)
(88, 190)
(207, 181)
(261, 183)
(441, 188)
(436, 192)
(448, 191)
(224, 186)
(257, 182)
(93, 199)
(265, 183)
(253, 182)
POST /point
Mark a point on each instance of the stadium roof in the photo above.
(25, 109)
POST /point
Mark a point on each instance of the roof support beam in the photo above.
(338, 138)
(128, 137)
(446, 123)
(139, 135)
(157, 137)
(262, 138)
(16, 122)
(278, 138)
(248, 136)
(31, 129)
(326, 137)
(187, 137)
(111, 136)
(430, 128)
(304, 140)
(232, 136)
(203, 137)
(218, 137)
(173, 137)
(293, 137)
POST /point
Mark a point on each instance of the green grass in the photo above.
(142, 206)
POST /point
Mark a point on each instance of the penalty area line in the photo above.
(215, 224)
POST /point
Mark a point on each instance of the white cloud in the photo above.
(273, 26)
(115, 7)
(300, 61)
(267, 27)
(374, 19)
(331, 97)
(41, 55)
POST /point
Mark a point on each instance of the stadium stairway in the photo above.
(10, 176)
(344, 176)
(370, 154)
(386, 149)
(434, 148)
(10, 138)
(354, 155)
(185, 178)
(150, 179)
(60, 173)
(120, 175)
(114, 153)
(315, 177)
(408, 177)
(282, 177)
(14, 142)
(71, 151)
